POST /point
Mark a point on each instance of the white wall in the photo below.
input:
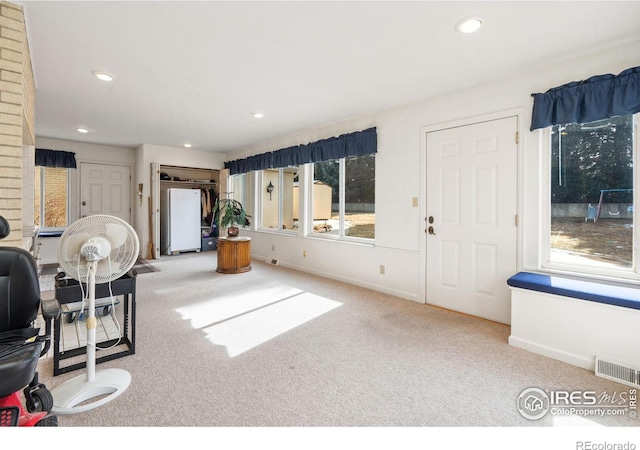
(400, 243)
(572, 330)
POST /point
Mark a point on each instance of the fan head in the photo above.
(107, 239)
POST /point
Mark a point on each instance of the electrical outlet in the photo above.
(415, 202)
(381, 269)
(273, 248)
(304, 253)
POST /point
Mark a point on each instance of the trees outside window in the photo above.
(51, 208)
(592, 194)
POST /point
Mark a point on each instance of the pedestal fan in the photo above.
(96, 249)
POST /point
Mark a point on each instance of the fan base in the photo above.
(71, 397)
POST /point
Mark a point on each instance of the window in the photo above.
(343, 197)
(326, 197)
(591, 192)
(51, 210)
(243, 191)
(360, 196)
(279, 198)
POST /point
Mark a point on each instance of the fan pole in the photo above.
(91, 323)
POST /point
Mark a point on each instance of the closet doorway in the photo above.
(212, 181)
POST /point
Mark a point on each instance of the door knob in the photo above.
(84, 203)
(430, 230)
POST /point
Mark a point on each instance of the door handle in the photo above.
(430, 230)
(84, 203)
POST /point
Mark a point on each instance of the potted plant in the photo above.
(230, 214)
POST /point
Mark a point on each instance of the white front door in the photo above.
(105, 189)
(471, 217)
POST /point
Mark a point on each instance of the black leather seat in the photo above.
(21, 345)
(19, 289)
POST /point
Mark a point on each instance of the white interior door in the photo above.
(471, 215)
(105, 189)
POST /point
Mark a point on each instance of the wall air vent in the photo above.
(617, 371)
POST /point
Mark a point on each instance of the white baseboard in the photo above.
(355, 282)
(555, 353)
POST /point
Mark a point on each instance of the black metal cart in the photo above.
(69, 294)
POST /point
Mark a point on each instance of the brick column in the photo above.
(17, 94)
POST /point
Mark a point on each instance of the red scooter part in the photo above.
(13, 414)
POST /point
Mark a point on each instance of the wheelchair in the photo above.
(21, 345)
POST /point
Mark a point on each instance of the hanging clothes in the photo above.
(207, 200)
(203, 205)
(209, 203)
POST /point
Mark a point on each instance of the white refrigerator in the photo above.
(180, 219)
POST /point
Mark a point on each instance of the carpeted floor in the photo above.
(143, 266)
(49, 269)
(278, 347)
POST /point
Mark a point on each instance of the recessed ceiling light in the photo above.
(258, 115)
(469, 25)
(102, 75)
(187, 145)
(82, 130)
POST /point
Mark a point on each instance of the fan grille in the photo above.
(124, 247)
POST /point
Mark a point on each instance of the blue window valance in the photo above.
(596, 98)
(55, 158)
(353, 144)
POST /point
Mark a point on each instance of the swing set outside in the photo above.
(593, 212)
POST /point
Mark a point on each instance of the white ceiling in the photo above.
(195, 71)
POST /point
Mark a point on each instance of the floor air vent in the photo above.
(617, 371)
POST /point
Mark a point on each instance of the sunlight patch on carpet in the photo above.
(249, 330)
(243, 331)
(209, 312)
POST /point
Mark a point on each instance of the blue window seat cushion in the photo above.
(45, 234)
(624, 296)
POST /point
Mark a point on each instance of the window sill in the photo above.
(592, 274)
(325, 238)
(45, 233)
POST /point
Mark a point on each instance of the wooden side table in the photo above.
(234, 254)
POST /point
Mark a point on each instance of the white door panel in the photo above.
(471, 206)
(105, 189)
